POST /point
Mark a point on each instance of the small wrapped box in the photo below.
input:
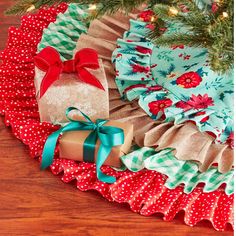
(73, 86)
(71, 144)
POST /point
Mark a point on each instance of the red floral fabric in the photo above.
(142, 69)
(196, 102)
(143, 50)
(159, 105)
(189, 80)
(144, 191)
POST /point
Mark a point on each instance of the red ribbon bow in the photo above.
(48, 60)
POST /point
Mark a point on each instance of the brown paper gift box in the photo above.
(70, 91)
(71, 144)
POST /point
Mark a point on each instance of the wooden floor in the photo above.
(38, 203)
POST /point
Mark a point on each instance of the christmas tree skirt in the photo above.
(144, 191)
(102, 35)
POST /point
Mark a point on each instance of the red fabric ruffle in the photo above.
(146, 194)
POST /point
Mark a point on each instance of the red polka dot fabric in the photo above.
(144, 191)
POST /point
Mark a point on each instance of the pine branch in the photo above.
(203, 28)
(104, 6)
(111, 7)
(211, 30)
(179, 39)
(22, 6)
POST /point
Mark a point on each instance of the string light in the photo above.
(153, 18)
(225, 14)
(31, 8)
(173, 11)
(92, 7)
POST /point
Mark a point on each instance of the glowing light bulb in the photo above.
(173, 11)
(92, 7)
(225, 14)
(152, 18)
(31, 8)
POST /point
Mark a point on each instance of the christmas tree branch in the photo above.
(104, 6)
(202, 25)
(206, 28)
(24, 6)
(180, 39)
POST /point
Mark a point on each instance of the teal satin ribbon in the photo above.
(109, 137)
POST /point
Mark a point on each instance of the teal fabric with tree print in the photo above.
(174, 83)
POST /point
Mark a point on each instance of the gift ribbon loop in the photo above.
(49, 61)
(109, 137)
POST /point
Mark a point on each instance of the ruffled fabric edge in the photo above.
(179, 173)
(65, 31)
(190, 144)
(145, 193)
(149, 133)
(132, 60)
(21, 113)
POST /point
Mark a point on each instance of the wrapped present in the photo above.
(71, 145)
(80, 83)
(102, 141)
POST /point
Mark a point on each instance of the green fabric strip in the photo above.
(64, 33)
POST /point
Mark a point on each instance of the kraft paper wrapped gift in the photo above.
(71, 144)
(70, 91)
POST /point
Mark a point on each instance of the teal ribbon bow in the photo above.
(109, 137)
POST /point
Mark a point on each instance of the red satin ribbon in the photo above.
(49, 61)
